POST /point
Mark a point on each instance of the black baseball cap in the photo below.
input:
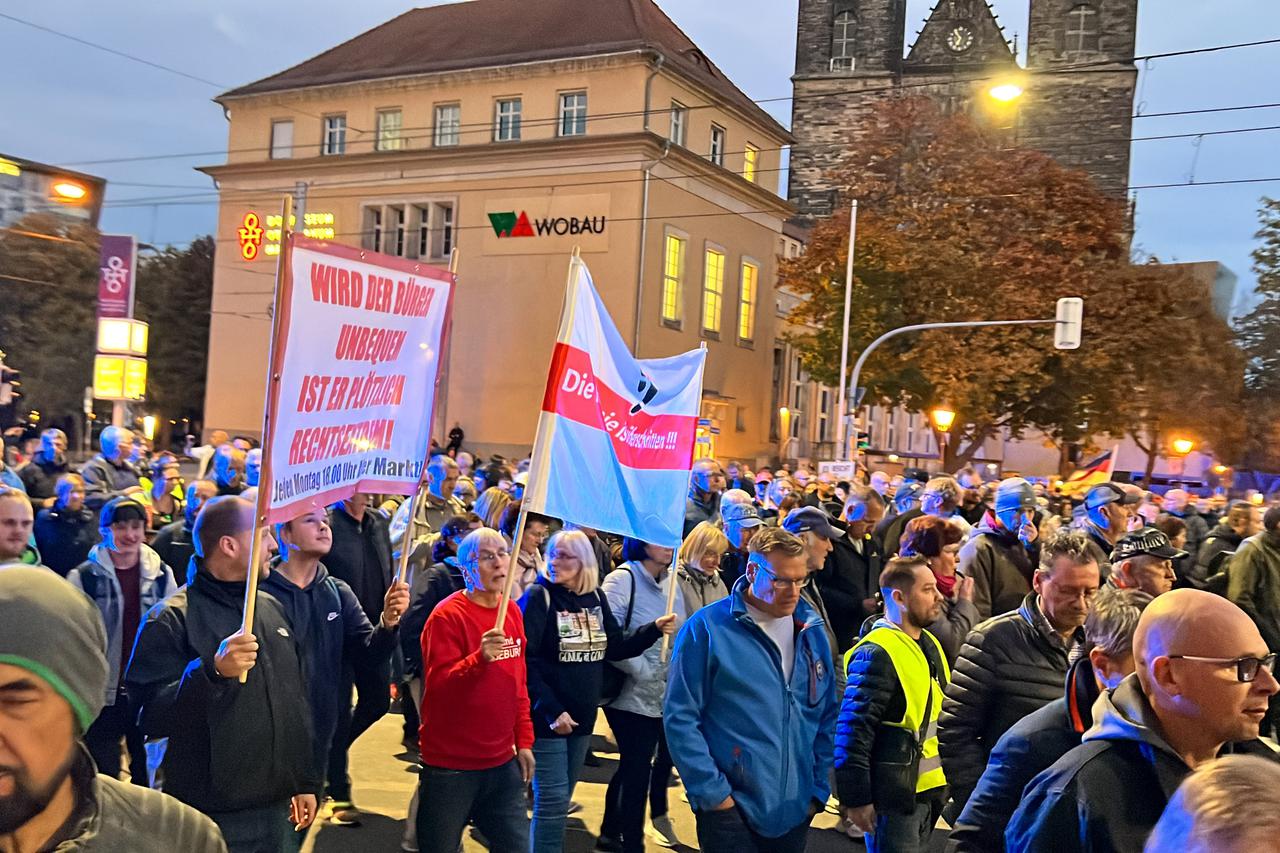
(1147, 542)
(121, 509)
(811, 518)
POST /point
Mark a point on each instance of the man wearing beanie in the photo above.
(53, 666)
(1000, 555)
(241, 753)
(125, 579)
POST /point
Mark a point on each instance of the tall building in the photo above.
(515, 132)
(28, 187)
(1078, 82)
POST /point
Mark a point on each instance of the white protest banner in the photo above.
(358, 356)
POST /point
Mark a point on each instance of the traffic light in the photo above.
(1066, 334)
(864, 440)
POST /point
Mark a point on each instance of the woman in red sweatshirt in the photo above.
(476, 736)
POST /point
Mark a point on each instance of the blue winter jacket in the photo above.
(734, 728)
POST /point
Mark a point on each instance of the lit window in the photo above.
(335, 135)
(679, 121)
(1082, 29)
(281, 140)
(747, 301)
(672, 274)
(388, 131)
(717, 144)
(845, 36)
(448, 125)
(506, 127)
(750, 163)
(713, 291)
(573, 114)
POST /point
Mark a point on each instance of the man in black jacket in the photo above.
(1041, 738)
(66, 531)
(1108, 508)
(361, 556)
(741, 520)
(110, 474)
(241, 753)
(328, 623)
(896, 676)
(1203, 678)
(849, 578)
(40, 475)
(1241, 521)
(1178, 503)
(175, 543)
(1015, 663)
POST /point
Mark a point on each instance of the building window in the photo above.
(844, 41)
(740, 419)
(713, 291)
(281, 140)
(747, 299)
(506, 126)
(399, 222)
(1082, 29)
(388, 131)
(435, 230)
(717, 145)
(750, 163)
(824, 414)
(776, 390)
(335, 135)
(373, 228)
(911, 432)
(446, 230)
(573, 114)
(672, 278)
(679, 122)
(891, 429)
(448, 127)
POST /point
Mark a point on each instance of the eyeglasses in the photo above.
(491, 556)
(782, 583)
(1247, 668)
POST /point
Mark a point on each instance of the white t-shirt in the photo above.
(783, 633)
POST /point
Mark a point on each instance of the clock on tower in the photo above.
(960, 38)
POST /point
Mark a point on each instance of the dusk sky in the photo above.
(70, 104)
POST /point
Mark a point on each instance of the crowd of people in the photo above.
(905, 652)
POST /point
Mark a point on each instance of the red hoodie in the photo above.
(475, 714)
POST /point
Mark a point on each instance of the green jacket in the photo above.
(1254, 583)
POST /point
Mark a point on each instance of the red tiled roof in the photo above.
(484, 33)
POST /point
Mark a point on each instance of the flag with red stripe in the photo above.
(616, 433)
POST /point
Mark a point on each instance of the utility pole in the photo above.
(842, 426)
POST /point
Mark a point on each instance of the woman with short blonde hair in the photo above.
(490, 506)
(698, 567)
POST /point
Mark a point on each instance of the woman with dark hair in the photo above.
(637, 595)
(938, 542)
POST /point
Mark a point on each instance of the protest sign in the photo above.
(357, 357)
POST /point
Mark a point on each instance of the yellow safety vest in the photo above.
(913, 673)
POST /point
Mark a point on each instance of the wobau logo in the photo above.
(511, 224)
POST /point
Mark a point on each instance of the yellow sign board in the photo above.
(117, 377)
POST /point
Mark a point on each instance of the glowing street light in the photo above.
(1183, 446)
(149, 427)
(1220, 469)
(70, 190)
(1005, 92)
(943, 417)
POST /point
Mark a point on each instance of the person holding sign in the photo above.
(476, 738)
(572, 632)
(239, 752)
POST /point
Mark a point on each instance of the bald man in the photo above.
(1203, 679)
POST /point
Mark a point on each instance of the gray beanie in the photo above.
(51, 629)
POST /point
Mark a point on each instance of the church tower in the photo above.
(1078, 96)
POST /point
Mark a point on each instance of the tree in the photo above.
(955, 224)
(175, 290)
(47, 326)
(1259, 336)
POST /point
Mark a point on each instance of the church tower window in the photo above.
(844, 41)
(1082, 29)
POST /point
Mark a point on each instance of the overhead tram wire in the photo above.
(487, 126)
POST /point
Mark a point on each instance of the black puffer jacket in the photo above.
(1221, 540)
(847, 580)
(1010, 665)
(1000, 565)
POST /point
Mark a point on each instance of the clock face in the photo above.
(960, 39)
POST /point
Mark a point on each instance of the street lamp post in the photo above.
(943, 417)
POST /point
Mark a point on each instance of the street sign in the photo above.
(1066, 334)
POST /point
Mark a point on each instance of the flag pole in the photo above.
(415, 500)
(675, 562)
(268, 421)
(514, 558)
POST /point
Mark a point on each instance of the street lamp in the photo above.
(69, 190)
(1183, 446)
(1005, 92)
(943, 417)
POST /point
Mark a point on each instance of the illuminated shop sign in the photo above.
(258, 236)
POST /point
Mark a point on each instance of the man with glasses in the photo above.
(755, 768)
(1253, 583)
(476, 739)
(1144, 560)
(1204, 676)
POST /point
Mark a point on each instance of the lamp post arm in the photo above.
(920, 327)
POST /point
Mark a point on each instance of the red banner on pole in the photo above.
(116, 271)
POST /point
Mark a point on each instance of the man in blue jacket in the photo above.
(751, 707)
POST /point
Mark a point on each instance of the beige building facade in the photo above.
(617, 136)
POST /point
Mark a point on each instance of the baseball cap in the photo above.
(764, 477)
(121, 509)
(1106, 493)
(811, 518)
(744, 515)
(918, 475)
(1149, 541)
